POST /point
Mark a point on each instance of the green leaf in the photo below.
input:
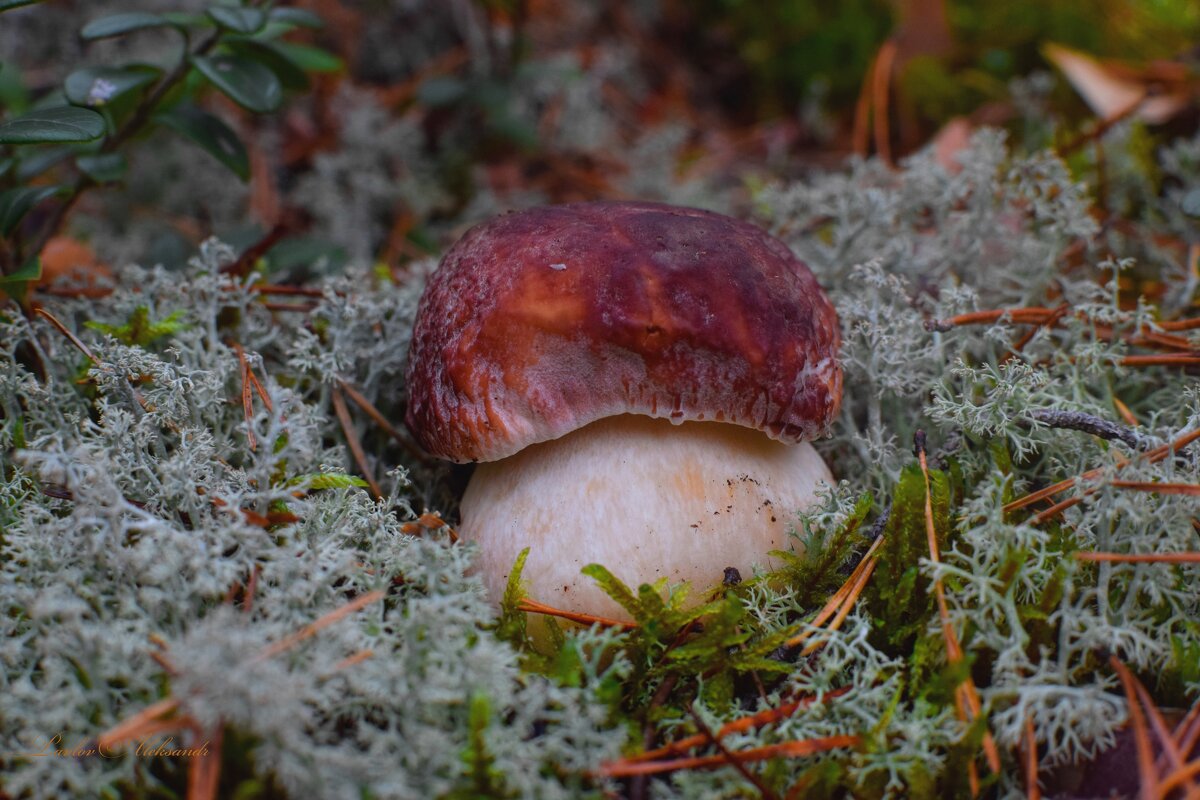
(310, 59)
(139, 329)
(297, 17)
(9, 5)
(5, 166)
(16, 203)
(100, 85)
(211, 134)
(16, 285)
(103, 167)
(238, 20)
(119, 24)
(59, 124)
(269, 55)
(248, 83)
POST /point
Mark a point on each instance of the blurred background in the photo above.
(420, 117)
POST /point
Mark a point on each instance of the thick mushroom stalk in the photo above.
(645, 498)
(562, 342)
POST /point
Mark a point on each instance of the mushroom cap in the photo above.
(539, 322)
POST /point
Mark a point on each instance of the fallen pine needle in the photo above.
(1032, 790)
(967, 700)
(318, 625)
(843, 599)
(1152, 456)
(1147, 773)
(534, 607)
(1191, 489)
(1139, 558)
(360, 458)
(793, 749)
(765, 717)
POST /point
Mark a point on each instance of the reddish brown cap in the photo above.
(539, 322)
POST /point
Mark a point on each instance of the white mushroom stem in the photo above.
(645, 498)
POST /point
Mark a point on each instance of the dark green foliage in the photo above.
(56, 124)
(242, 57)
(212, 134)
(250, 84)
(16, 203)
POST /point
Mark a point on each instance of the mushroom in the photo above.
(641, 382)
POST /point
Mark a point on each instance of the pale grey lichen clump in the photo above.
(121, 483)
(898, 249)
(140, 558)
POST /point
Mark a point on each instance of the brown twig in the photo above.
(83, 348)
(352, 440)
(380, 420)
(1088, 423)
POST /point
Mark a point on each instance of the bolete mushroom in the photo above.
(640, 381)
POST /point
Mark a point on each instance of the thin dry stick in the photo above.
(380, 420)
(343, 415)
(534, 607)
(792, 749)
(83, 348)
(1027, 337)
